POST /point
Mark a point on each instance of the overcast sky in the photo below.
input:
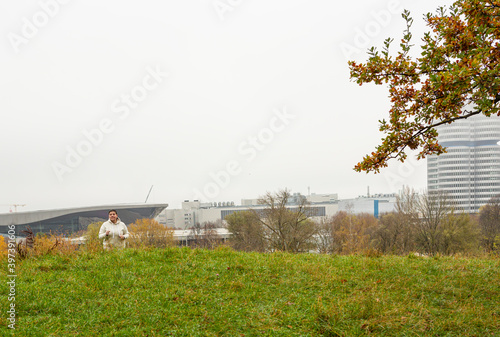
(218, 100)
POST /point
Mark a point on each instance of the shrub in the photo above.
(92, 241)
(44, 244)
(3, 248)
(52, 244)
(150, 233)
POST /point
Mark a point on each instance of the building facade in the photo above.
(376, 205)
(72, 220)
(469, 173)
(320, 206)
(196, 212)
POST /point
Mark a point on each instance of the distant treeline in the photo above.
(423, 223)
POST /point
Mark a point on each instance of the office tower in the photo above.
(470, 170)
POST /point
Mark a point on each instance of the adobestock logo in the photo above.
(405, 170)
(249, 150)
(123, 106)
(363, 36)
(222, 7)
(31, 26)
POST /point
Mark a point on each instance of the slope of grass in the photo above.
(185, 292)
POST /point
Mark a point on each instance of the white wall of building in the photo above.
(315, 198)
(194, 212)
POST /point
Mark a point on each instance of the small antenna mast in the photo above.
(148, 194)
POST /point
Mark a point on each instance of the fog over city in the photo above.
(215, 100)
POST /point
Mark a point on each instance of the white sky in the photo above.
(233, 66)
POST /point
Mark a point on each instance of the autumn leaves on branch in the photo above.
(456, 76)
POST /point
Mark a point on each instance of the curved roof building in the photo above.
(71, 220)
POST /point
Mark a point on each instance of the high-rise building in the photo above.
(470, 170)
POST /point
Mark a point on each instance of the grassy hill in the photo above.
(185, 292)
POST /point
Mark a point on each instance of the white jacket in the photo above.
(115, 230)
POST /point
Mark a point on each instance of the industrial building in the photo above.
(320, 206)
(72, 220)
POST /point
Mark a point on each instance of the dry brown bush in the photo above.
(53, 244)
(44, 244)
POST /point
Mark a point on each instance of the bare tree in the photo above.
(489, 223)
(340, 226)
(204, 235)
(352, 233)
(396, 231)
(287, 227)
(387, 235)
(426, 222)
(433, 209)
(324, 237)
(408, 217)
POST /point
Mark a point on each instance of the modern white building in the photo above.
(470, 170)
(320, 205)
(71, 220)
(376, 204)
(196, 212)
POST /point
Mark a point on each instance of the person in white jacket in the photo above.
(114, 232)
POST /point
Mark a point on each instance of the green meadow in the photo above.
(194, 292)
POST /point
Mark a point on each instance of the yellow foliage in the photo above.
(150, 233)
(44, 244)
(53, 244)
(92, 241)
(3, 248)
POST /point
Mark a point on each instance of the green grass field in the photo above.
(185, 292)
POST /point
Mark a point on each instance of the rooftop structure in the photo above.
(71, 220)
